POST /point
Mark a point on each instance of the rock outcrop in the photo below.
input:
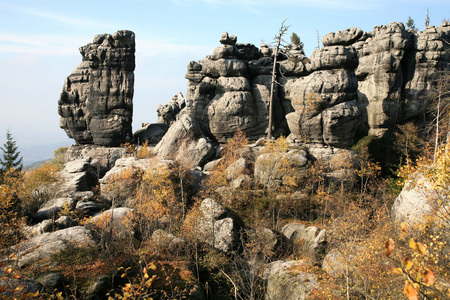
(96, 101)
(376, 79)
(230, 89)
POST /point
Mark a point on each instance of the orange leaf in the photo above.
(390, 246)
(412, 244)
(410, 291)
(428, 276)
(9, 270)
(407, 263)
(397, 271)
(403, 226)
(421, 248)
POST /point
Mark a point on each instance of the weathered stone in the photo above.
(340, 122)
(79, 175)
(333, 57)
(96, 102)
(167, 114)
(344, 37)
(51, 280)
(311, 238)
(102, 158)
(269, 171)
(217, 226)
(381, 75)
(164, 240)
(51, 208)
(44, 245)
(185, 141)
(227, 39)
(150, 133)
(283, 283)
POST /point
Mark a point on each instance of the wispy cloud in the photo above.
(40, 44)
(56, 17)
(255, 5)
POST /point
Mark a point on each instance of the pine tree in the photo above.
(11, 158)
(411, 25)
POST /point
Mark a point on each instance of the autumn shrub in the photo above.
(11, 219)
(144, 151)
(34, 187)
(59, 157)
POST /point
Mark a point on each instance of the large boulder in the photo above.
(285, 282)
(100, 157)
(186, 141)
(167, 113)
(96, 101)
(217, 226)
(308, 240)
(44, 245)
(272, 168)
(78, 175)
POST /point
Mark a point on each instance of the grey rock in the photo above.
(217, 226)
(79, 175)
(282, 283)
(99, 288)
(101, 158)
(344, 37)
(65, 222)
(236, 169)
(340, 123)
(211, 165)
(164, 240)
(118, 217)
(44, 245)
(268, 170)
(333, 57)
(211, 209)
(150, 133)
(227, 39)
(96, 101)
(416, 202)
(312, 239)
(167, 114)
(51, 208)
(51, 280)
(186, 141)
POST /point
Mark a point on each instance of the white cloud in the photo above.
(60, 18)
(254, 5)
(40, 44)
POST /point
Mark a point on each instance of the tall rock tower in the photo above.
(96, 103)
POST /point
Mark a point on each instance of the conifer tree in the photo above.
(10, 158)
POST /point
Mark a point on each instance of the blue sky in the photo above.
(39, 43)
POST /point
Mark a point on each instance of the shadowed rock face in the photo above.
(96, 101)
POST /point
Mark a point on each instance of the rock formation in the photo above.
(230, 90)
(96, 101)
(375, 79)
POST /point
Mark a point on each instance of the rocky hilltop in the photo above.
(375, 79)
(368, 81)
(184, 216)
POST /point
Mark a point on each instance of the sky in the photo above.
(39, 43)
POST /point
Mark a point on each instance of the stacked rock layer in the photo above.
(96, 101)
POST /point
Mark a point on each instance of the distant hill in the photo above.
(40, 153)
(36, 164)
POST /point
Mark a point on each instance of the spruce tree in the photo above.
(10, 155)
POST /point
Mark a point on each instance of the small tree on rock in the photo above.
(10, 158)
